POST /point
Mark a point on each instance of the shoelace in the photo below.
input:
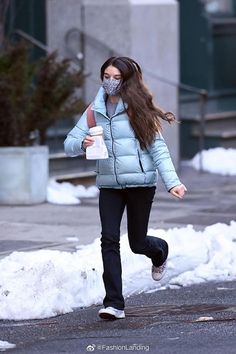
(160, 269)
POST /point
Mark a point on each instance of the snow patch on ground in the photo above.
(47, 283)
(218, 160)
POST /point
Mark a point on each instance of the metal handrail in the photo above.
(202, 93)
(202, 97)
(32, 40)
(42, 46)
(188, 88)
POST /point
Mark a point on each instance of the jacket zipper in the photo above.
(113, 154)
(112, 140)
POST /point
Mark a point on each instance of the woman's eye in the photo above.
(113, 78)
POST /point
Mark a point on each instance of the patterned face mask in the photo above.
(111, 86)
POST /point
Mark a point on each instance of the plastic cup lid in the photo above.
(96, 130)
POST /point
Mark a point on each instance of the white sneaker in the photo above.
(158, 272)
(110, 313)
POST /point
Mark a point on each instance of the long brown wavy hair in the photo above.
(144, 115)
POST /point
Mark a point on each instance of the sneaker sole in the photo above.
(107, 316)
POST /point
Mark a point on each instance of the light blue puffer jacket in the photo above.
(127, 165)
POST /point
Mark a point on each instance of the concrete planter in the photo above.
(23, 175)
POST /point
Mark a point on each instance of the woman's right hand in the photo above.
(88, 141)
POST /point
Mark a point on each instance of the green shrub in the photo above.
(35, 95)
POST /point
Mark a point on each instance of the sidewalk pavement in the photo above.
(164, 321)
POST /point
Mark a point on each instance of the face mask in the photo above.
(111, 86)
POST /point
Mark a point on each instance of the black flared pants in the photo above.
(112, 203)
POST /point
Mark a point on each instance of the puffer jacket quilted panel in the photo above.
(127, 165)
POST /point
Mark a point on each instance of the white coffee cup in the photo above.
(98, 149)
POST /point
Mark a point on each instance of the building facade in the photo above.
(188, 42)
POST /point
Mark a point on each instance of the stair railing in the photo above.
(202, 99)
(201, 93)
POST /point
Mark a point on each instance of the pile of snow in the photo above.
(46, 283)
(5, 345)
(67, 194)
(218, 160)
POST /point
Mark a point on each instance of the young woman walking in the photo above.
(137, 153)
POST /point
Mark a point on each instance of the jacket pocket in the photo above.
(140, 162)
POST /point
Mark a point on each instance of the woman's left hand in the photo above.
(178, 191)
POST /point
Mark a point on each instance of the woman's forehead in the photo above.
(112, 70)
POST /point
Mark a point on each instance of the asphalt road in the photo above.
(194, 320)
